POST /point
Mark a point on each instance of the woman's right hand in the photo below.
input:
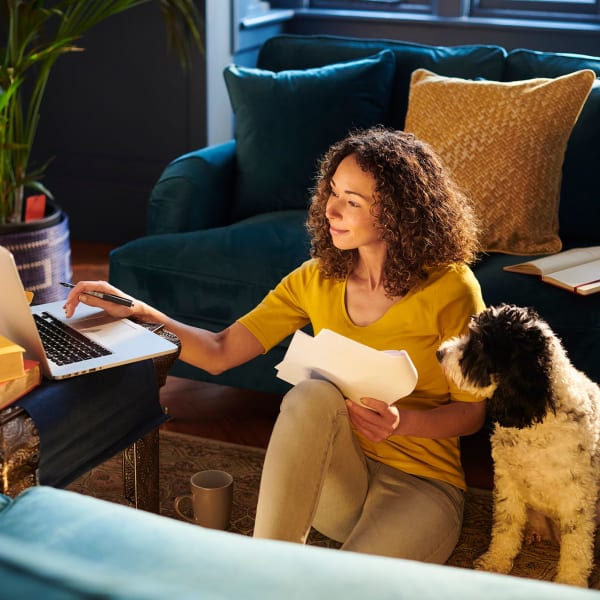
(77, 295)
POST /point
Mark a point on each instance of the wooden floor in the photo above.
(219, 412)
(196, 408)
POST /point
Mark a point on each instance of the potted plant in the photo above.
(37, 34)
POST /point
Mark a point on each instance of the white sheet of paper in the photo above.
(356, 369)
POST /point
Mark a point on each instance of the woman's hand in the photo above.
(449, 420)
(77, 295)
(376, 423)
(214, 352)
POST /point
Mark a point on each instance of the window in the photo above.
(376, 5)
(560, 10)
(556, 10)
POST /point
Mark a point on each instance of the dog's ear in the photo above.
(476, 363)
(524, 393)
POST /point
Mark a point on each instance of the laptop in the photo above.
(108, 342)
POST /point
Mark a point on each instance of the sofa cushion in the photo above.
(504, 144)
(290, 51)
(580, 199)
(285, 121)
(219, 273)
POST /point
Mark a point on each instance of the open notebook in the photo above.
(97, 341)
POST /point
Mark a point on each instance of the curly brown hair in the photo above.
(425, 220)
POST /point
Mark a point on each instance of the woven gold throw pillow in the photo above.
(504, 143)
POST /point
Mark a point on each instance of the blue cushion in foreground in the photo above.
(56, 544)
(285, 121)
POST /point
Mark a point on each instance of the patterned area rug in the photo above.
(182, 455)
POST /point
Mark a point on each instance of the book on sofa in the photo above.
(576, 270)
(357, 370)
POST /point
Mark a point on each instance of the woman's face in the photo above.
(348, 210)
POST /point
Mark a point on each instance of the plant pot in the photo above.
(42, 253)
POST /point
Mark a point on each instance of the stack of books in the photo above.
(18, 375)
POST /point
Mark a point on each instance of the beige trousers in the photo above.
(315, 474)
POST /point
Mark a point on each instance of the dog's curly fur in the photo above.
(546, 438)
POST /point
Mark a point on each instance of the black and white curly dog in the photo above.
(546, 438)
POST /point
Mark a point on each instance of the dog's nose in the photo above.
(440, 355)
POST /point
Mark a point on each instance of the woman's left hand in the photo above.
(376, 423)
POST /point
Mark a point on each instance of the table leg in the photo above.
(141, 473)
(140, 460)
(19, 451)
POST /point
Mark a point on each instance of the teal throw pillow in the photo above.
(285, 122)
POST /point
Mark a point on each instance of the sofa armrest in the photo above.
(194, 192)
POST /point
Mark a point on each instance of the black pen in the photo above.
(103, 296)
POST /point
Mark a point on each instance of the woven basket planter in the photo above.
(42, 253)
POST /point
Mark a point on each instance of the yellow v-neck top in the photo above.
(417, 323)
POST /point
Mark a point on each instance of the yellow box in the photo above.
(11, 360)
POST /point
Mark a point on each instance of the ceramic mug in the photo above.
(211, 499)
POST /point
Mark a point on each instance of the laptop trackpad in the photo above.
(105, 330)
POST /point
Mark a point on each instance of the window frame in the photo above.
(568, 11)
(393, 7)
(551, 10)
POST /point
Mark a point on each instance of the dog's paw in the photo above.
(540, 528)
(578, 579)
(495, 564)
(532, 537)
(572, 571)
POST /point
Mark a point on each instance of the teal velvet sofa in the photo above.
(226, 222)
(59, 545)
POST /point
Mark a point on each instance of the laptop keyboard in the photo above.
(63, 344)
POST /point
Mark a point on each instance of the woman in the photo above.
(391, 240)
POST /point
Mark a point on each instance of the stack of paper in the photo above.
(358, 371)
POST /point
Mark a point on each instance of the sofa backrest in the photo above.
(301, 52)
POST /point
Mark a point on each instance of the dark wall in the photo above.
(114, 116)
